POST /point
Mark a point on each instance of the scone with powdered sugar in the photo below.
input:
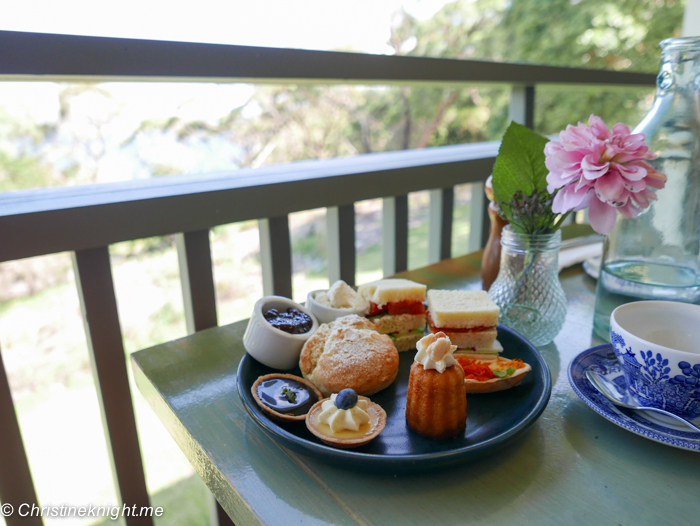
(349, 353)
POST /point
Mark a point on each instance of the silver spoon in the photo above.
(605, 388)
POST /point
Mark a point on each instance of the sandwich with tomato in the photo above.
(468, 317)
(396, 308)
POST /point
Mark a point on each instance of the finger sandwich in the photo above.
(396, 308)
(468, 318)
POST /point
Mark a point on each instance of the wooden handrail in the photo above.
(43, 56)
(46, 221)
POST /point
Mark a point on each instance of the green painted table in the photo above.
(570, 467)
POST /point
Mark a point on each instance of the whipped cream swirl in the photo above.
(343, 419)
(341, 296)
(435, 352)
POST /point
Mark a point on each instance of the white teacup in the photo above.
(269, 345)
(658, 346)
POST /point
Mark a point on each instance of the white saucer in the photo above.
(592, 266)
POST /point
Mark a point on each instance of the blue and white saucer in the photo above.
(602, 359)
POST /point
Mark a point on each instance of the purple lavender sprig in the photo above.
(531, 214)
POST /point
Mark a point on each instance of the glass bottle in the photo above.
(657, 255)
(527, 288)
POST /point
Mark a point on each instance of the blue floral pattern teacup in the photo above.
(658, 346)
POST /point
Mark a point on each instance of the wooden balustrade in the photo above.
(16, 485)
(199, 301)
(340, 228)
(394, 234)
(86, 220)
(104, 337)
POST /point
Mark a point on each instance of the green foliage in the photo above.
(619, 35)
(17, 173)
(465, 29)
(141, 247)
(520, 181)
(622, 35)
(520, 163)
(531, 213)
(21, 165)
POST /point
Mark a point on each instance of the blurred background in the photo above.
(60, 134)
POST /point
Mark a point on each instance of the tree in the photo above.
(621, 35)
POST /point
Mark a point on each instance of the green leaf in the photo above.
(503, 374)
(519, 165)
(290, 395)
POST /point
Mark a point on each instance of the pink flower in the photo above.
(601, 170)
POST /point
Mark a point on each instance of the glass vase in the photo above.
(527, 288)
(657, 255)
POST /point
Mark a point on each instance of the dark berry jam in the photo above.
(292, 321)
(286, 396)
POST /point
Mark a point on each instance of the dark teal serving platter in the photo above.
(492, 419)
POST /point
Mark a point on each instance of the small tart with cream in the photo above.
(285, 397)
(346, 420)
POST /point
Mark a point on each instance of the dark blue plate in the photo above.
(492, 419)
(602, 359)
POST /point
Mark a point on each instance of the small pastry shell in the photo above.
(271, 412)
(377, 421)
(496, 384)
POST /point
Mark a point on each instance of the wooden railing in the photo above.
(85, 220)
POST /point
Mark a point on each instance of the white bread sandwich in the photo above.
(396, 308)
(468, 318)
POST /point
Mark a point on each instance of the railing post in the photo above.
(522, 105)
(197, 280)
(522, 111)
(340, 228)
(479, 222)
(199, 300)
(104, 338)
(440, 224)
(16, 486)
(276, 256)
(394, 234)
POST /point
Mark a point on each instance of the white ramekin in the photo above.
(270, 346)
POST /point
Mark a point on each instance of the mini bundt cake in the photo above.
(436, 406)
